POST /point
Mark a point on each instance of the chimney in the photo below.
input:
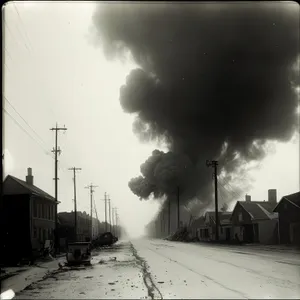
(272, 196)
(248, 198)
(29, 177)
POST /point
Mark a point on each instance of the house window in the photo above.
(40, 233)
(40, 210)
(240, 217)
(35, 209)
(45, 234)
(34, 232)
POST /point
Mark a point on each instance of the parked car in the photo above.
(79, 253)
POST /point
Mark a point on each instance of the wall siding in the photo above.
(268, 231)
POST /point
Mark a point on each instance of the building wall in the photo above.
(239, 210)
(295, 233)
(222, 232)
(43, 220)
(268, 231)
(15, 227)
(237, 230)
(287, 215)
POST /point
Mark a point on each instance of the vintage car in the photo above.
(79, 253)
(105, 239)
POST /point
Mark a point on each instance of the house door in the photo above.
(248, 235)
(256, 233)
(227, 234)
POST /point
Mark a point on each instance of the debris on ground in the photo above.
(181, 235)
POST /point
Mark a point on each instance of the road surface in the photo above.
(181, 270)
(114, 274)
(145, 269)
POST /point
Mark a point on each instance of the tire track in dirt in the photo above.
(153, 290)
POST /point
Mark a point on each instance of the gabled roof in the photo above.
(198, 222)
(292, 198)
(32, 189)
(259, 210)
(224, 217)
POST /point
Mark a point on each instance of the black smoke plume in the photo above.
(208, 74)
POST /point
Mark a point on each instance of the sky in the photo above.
(54, 72)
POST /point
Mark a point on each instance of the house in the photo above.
(225, 225)
(255, 221)
(27, 217)
(199, 229)
(204, 228)
(288, 210)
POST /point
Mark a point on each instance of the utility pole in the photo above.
(96, 216)
(115, 219)
(178, 208)
(105, 199)
(113, 226)
(214, 164)
(117, 224)
(91, 188)
(74, 169)
(56, 151)
(109, 212)
(169, 229)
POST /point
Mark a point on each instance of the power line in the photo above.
(24, 120)
(14, 36)
(236, 194)
(7, 53)
(227, 183)
(25, 33)
(21, 127)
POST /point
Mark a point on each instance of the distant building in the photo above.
(27, 217)
(255, 221)
(67, 223)
(288, 210)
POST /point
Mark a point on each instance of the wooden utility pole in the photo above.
(169, 227)
(113, 225)
(105, 199)
(178, 208)
(91, 188)
(109, 212)
(74, 169)
(214, 164)
(95, 208)
(117, 224)
(56, 151)
(115, 220)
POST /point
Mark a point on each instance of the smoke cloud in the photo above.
(214, 82)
